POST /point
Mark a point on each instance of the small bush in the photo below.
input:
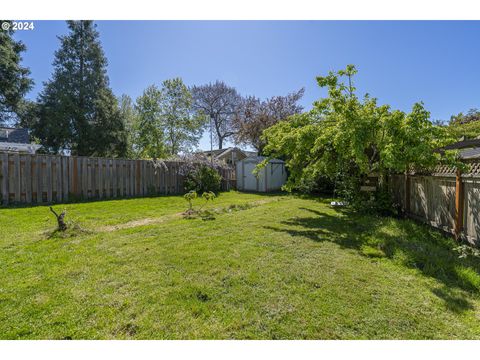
(192, 195)
(203, 179)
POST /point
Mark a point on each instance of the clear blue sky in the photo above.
(399, 62)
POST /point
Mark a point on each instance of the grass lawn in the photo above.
(284, 268)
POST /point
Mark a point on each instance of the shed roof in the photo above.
(259, 159)
(463, 144)
(470, 154)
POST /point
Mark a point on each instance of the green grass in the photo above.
(274, 267)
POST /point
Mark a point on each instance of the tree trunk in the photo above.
(62, 226)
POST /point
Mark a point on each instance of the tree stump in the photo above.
(62, 226)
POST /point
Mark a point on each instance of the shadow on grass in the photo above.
(403, 241)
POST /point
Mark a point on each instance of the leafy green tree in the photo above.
(14, 78)
(130, 122)
(182, 128)
(472, 115)
(467, 125)
(167, 124)
(77, 109)
(151, 135)
(347, 139)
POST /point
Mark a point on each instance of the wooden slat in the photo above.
(4, 179)
(16, 176)
(121, 178)
(28, 179)
(108, 192)
(90, 190)
(58, 170)
(48, 178)
(65, 179)
(137, 178)
(127, 178)
(70, 175)
(100, 178)
(140, 178)
(114, 178)
(164, 181)
(132, 178)
(38, 170)
(84, 177)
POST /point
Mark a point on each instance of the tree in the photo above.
(465, 125)
(14, 78)
(220, 104)
(347, 139)
(151, 136)
(167, 124)
(255, 116)
(77, 109)
(182, 128)
(472, 115)
(130, 123)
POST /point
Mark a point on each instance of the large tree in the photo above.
(219, 103)
(77, 108)
(167, 125)
(256, 115)
(130, 123)
(14, 78)
(151, 136)
(467, 125)
(347, 139)
(182, 127)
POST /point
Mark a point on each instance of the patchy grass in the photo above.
(266, 267)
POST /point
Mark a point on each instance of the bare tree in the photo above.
(256, 115)
(220, 103)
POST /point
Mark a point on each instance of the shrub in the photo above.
(203, 179)
(201, 173)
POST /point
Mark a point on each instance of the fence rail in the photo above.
(450, 202)
(28, 179)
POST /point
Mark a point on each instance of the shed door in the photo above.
(250, 181)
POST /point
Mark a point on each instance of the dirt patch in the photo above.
(162, 219)
(141, 222)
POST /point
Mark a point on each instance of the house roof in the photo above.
(220, 152)
(17, 136)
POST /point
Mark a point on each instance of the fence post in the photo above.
(459, 202)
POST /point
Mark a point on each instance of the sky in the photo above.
(399, 62)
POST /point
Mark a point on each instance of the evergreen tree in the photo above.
(14, 78)
(77, 109)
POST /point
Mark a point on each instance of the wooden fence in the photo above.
(31, 179)
(449, 201)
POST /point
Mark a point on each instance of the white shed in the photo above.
(270, 178)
